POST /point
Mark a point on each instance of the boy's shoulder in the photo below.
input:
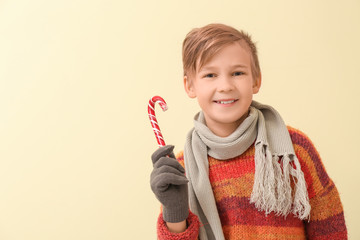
(311, 163)
(295, 132)
(300, 139)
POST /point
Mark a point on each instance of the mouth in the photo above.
(226, 101)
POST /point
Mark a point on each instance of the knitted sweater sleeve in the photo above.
(193, 223)
(326, 216)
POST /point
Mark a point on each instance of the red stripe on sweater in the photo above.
(239, 211)
(321, 228)
(303, 141)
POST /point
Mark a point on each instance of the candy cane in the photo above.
(153, 120)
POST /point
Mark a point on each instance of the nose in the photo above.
(225, 84)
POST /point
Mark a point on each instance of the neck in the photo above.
(224, 129)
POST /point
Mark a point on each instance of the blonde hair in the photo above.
(201, 44)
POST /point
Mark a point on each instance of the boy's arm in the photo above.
(187, 229)
(178, 227)
(190, 233)
(326, 216)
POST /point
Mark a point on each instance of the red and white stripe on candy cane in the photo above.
(153, 120)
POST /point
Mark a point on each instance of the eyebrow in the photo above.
(210, 68)
(239, 66)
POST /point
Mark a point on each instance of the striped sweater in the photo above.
(232, 183)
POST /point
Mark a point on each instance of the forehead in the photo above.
(236, 53)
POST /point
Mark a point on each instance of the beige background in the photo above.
(76, 76)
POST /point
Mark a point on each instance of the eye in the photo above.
(238, 73)
(209, 75)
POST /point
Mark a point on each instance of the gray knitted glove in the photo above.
(169, 184)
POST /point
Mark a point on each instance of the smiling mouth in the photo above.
(226, 101)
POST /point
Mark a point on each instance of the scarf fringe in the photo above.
(272, 190)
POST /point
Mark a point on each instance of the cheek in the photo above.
(246, 92)
(246, 86)
(202, 92)
(202, 101)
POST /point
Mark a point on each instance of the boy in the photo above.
(248, 175)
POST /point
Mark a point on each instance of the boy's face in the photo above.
(224, 88)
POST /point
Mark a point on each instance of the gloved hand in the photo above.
(169, 184)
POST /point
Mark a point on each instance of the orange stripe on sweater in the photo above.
(263, 232)
(326, 205)
(239, 187)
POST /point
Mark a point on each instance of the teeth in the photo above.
(226, 102)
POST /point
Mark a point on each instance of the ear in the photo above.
(189, 88)
(257, 84)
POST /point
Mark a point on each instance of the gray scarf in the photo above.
(272, 190)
